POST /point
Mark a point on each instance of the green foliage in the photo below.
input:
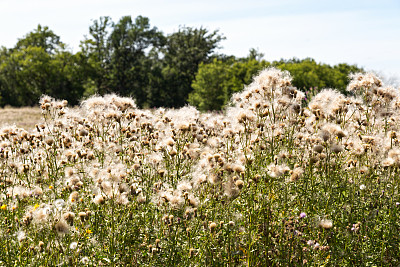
(307, 73)
(209, 92)
(241, 73)
(29, 72)
(215, 82)
(41, 37)
(95, 50)
(118, 58)
(133, 58)
(182, 54)
(128, 61)
(213, 89)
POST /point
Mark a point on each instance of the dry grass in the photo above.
(25, 117)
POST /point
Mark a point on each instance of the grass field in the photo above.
(25, 117)
(271, 181)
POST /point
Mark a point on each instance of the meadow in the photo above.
(276, 179)
(25, 117)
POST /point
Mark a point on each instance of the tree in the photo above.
(307, 73)
(121, 57)
(241, 73)
(96, 51)
(341, 78)
(209, 92)
(255, 54)
(41, 37)
(215, 82)
(29, 70)
(69, 77)
(132, 58)
(183, 53)
(129, 43)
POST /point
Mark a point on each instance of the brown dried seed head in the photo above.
(212, 226)
(239, 184)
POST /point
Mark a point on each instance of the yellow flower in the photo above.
(36, 206)
(51, 187)
(3, 207)
(88, 231)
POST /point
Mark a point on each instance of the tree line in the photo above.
(132, 58)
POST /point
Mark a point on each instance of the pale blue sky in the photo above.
(362, 32)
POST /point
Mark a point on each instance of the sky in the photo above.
(361, 32)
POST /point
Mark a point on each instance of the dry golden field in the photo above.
(25, 117)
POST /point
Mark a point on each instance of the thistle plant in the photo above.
(270, 181)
